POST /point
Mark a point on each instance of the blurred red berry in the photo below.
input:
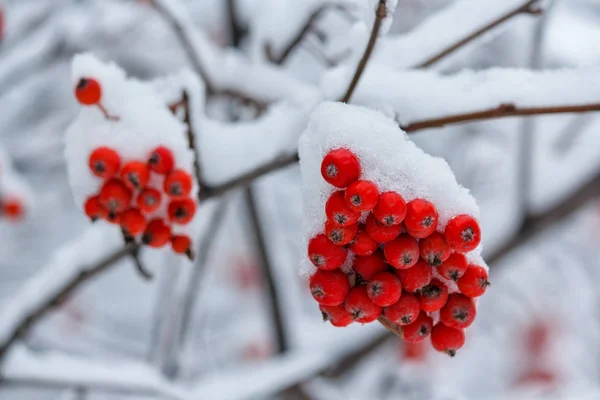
(360, 306)
(402, 252)
(182, 211)
(133, 222)
(88, 91)
(418, 330)
(446, 339)
(115, 196)
(474, 282)
(463, 233)
(340, 235)
(13, 209)
(329, 288)
(157, 233)
(149, 200)
(434, 249)
(367, 266)
(415, 277)
(454, 267)
(104, 162)
(363, 244)
(384, 289)
(161, 160)
(340, 168)
(361, 196)
(421, 218)
(135, 174)
(178, 184)
(94, 210)
(433, 296)
(381, 233)
(182, 244)
(390, 208)
(336, 315)
(338, 212)
(324, 254)
(459, 311)
(405, 311)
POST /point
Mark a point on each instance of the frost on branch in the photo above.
(401, 221)
(128, 157)
(368, 12)
(16, 197)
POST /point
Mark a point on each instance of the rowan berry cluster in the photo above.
(403, 268)
(145, 197)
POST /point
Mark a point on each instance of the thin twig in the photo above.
(192, 139)
(502, 111)
(530, 7)
(380, 15)
(390, 326)
(84, 275)
(135, 257)
(267, 268)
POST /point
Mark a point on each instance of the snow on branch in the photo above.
(227, 72)
(421, 100)
(449, 30)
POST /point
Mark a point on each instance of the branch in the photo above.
(192, 139)
(530, 7)
(390, 326)
(135, 256)
(502, 111)
(237, 31)
(380, 15)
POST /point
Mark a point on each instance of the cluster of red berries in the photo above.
(131, 195)
(402, 265)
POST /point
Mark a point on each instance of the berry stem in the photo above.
(107, 115)
(390, 326)
(135, 256)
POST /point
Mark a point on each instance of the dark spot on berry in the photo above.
(150, 200)
(431, 291)
(376, 289)
(434, 259)
(407, 259)
(146, 238)
(325, 316)
(451, 352)
(83, 82)
(134, 179)
(331, 170)
(336, 236)
(340, 218)
(154, 159)
(390, 220)
(484, 283)
(357, 314)
(356, 200)
(453, 275)
(317, 259)
(180, 213)
(460, 315)
(423, 330)
(406, 319)
(94, 219)
(175, 189)
(468, 235)
(317, 291)
(427, 221)
(99, 167)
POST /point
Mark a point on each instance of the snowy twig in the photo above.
(299, 37)
(380, 14)
(502, 111)
(192, 139)
(21, 329)
(530, 7)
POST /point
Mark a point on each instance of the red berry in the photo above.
(338, 212)
(135, 174)
(340, 168)
(94, 210)
(149, 200)
(405, 311)
(360, 306)
(381, 233)
(157, 233)
(454, 267)
(414, 351)
(361, 196)
(178, 184)
(446, 339)
(182, 211)
(367, 266)
(329, 288)
(474, 282)
(182, 244)
(415, 277)
(390, 209)
(384, 289)
(133, 222)
(403, 252)
(363, 244)
(115, 196)
(418, 330)
(463, 233)
(13, 209)
(324, 254)
(104, 162)
(433, 296)
(161, 160)
(421, 218)
(340, 235)
(114, 218)
(337, 315)
(434, 249)
(459, 311)
(88, 91)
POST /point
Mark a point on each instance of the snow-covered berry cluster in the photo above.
(129, 163)
(380, 255)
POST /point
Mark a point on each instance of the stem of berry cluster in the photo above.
(135, 256)
(390, 326)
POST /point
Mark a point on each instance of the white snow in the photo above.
(13, 186)
(368, 9)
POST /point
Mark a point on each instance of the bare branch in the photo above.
(192, 139)
(380, 14)
(502, 111)
(530, 7)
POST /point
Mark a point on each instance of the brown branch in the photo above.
(390, 326)
(84, 275)
(380, 14)
(530, 7)
(502, 111)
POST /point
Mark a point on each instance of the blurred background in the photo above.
(239, 322)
